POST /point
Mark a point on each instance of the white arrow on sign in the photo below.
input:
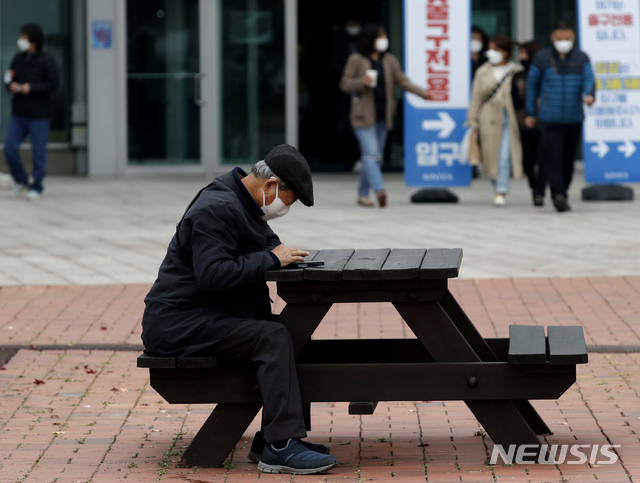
(445, 124)
(628, 148)
(601, 148)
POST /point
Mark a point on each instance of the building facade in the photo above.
(196, 86)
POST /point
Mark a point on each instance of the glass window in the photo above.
(163, 63)
(53, 16)
(548, 12)
(252, 93)
(493, 16)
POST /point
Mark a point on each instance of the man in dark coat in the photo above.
(31, 78)
(562, 79)
(210, 297)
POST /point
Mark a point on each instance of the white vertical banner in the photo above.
(437, 57)
(610, 34)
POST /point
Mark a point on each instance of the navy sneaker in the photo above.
(257, 446)
(295, 458)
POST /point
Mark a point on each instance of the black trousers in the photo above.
(560, 143)
(267, 347)
(530, 159)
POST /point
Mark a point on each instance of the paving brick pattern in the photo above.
(90, 416)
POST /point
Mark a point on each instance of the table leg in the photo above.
(450, 305)
(302, 320)
(444, 340)
(219, 435)
(306, 407)
(531, 416)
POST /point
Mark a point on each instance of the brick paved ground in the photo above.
(94, 418)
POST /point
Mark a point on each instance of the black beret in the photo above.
(289, 165)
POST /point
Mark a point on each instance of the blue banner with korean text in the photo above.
(610, 34)
(437, 56)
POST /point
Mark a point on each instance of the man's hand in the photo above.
(14, 87)
(288, 255)
(588, 100)
(26, 88)
(427, 94)
(367, 80)
(530, 122)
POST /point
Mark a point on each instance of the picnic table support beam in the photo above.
(445, 342)
(302, 320)
(208, 449)
(531, 416)
(306, 409)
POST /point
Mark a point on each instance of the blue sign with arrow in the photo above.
(436, 41)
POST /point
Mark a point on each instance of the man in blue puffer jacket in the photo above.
(561, 77)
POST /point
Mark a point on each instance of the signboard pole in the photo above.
(436, 46)
(610, 35)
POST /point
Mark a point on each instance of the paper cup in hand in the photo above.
(374, 75)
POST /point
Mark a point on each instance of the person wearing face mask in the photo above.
(32, 78)
(493, 118)
(479, 43)
(343, 44)
(370, 77)
(560, 80)
(211, 299)
(530, 137)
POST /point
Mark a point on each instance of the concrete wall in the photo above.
(106, 89)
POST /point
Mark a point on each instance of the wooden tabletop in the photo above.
(375, 264)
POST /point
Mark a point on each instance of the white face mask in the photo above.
(382, 45)
(353, 30)
(23, 44)
(563, 46)
(476, 46)
(494, 56)
(276, 209)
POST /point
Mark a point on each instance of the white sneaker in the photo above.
(499, 200)
(33, 195)
(357, 167)
(17, 189)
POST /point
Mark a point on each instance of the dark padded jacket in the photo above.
(40, 72)
(560, 84)
(213, 273)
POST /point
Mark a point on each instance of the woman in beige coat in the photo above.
(493, 117)
(371, 76)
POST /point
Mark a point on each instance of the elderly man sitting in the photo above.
(210, 298)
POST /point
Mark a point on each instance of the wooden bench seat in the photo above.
(563, 346)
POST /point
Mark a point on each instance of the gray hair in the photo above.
(261, 171)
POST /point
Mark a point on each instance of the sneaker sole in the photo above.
(294, 471)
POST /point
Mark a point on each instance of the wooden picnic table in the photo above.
(448, 360)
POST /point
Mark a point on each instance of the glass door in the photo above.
(252, 79)
(163, 82)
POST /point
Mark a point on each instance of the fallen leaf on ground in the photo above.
(38, 381)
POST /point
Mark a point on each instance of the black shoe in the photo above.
(257, 447)
(560, 203)
(538, 201)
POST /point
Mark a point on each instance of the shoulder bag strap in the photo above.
(495, 89)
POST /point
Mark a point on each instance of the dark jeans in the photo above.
(530, 159)
(560, 143)
(268, 348)
(18, 129)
